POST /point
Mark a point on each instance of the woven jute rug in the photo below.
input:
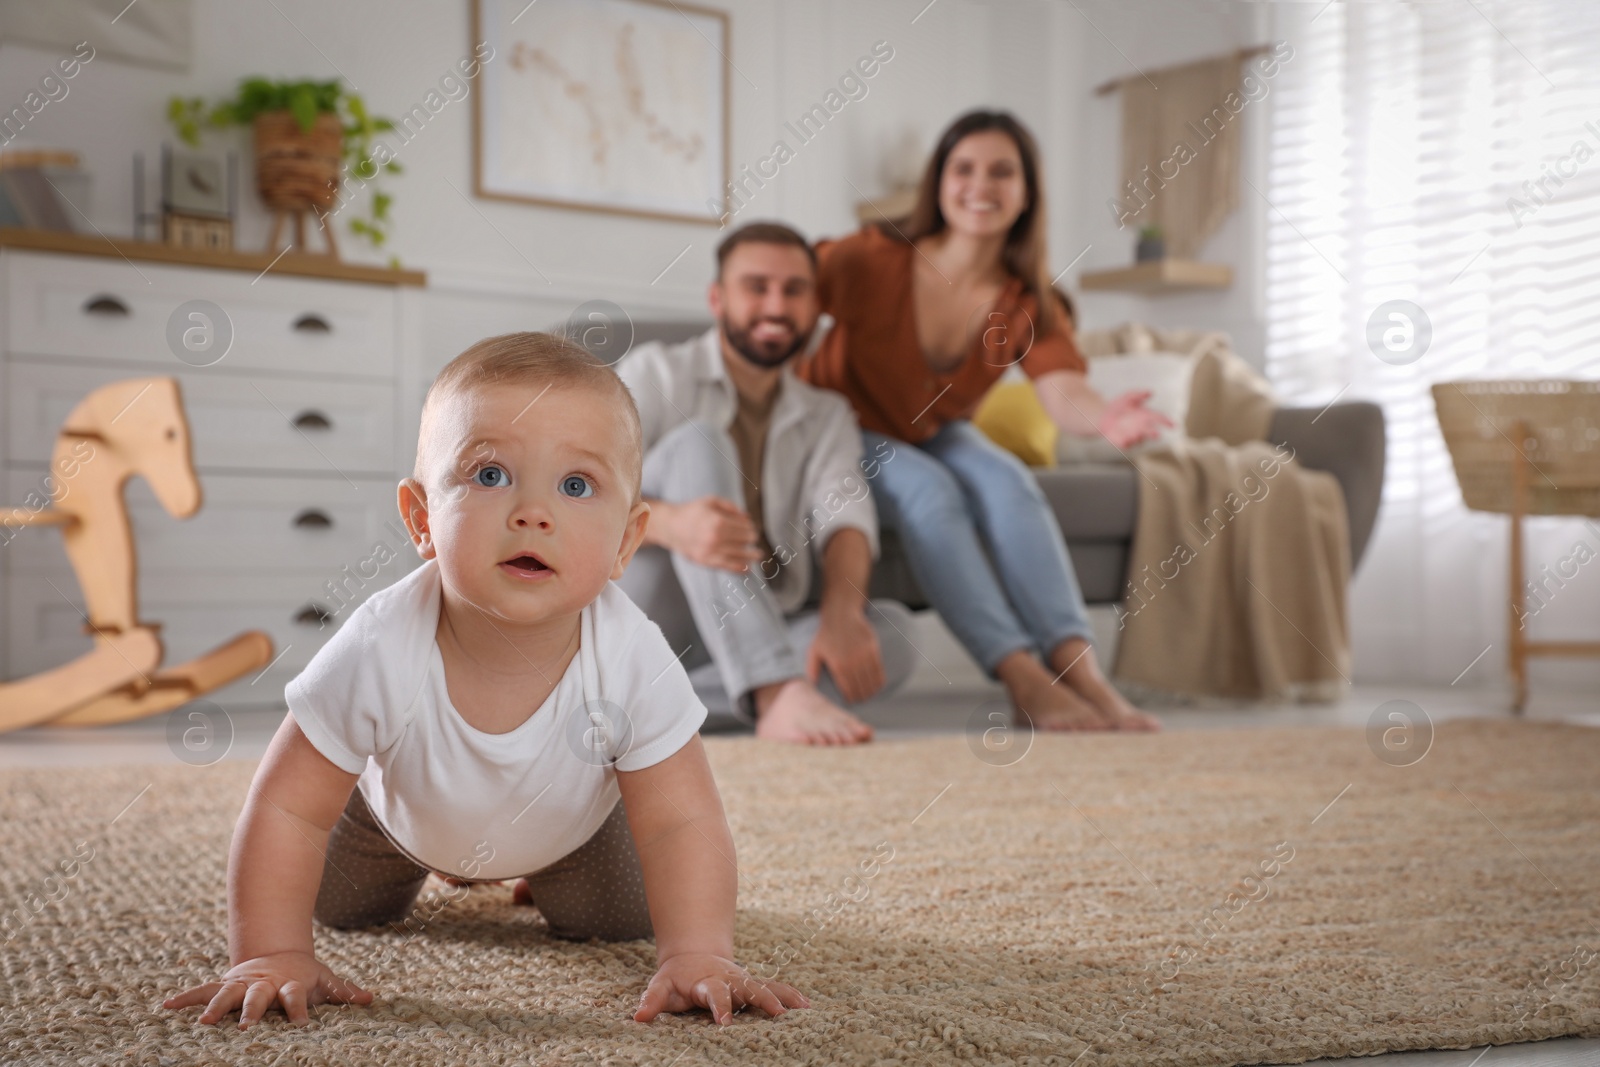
(1188, 898)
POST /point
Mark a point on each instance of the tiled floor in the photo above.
(933, 702)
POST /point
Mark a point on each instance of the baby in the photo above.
(481, 718)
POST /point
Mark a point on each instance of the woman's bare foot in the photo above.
(1123, 714)
(1054, 707)
(1080, 673)
(1047, 706)
(795, 711)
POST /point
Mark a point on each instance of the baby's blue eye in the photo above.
(491, 476)
(576, 485)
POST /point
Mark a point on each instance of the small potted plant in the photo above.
(1152, 245)
(306, 134)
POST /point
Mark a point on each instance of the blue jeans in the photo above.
(945, 494)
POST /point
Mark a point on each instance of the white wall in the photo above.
(495, 266)
(1037, 57)
(1040, 58)
(1123, 40)
(788, 56)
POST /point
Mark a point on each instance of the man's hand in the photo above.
(721, 986)
(847, 645)
(294, 979)
(712, 532)
(1126, 421)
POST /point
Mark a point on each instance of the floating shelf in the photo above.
(303, 264)
(1161, 276)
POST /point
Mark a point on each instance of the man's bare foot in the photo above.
(1053, 707)
(795, 711)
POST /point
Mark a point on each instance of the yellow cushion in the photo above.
(1012, 417)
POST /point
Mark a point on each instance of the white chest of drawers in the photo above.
(296, 441)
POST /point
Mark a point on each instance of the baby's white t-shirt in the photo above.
(373, 700)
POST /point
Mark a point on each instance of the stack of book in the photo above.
(43, 189)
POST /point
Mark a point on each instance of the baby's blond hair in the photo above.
(531, 358)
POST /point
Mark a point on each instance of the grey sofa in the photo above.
(1097, 504)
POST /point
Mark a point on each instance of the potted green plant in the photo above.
(1152, 244)
(307, 133)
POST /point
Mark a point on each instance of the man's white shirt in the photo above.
(812, 481)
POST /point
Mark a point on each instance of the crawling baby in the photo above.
(504, 711)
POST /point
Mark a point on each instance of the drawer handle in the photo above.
(313, 614)
(311, 322)
(106, 305)
(312, 420)
(313, 518)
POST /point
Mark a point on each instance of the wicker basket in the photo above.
(1481, 421)
(298, 171)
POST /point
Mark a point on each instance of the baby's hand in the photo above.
(721, 986)
(295, 979)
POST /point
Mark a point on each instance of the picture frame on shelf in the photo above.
(199, 197)
(194, 183)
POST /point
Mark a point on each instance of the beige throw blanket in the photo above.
(1240, 558)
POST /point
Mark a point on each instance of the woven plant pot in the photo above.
(295, 170)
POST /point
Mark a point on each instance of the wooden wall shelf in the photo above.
(302, 264)
(1161, 276)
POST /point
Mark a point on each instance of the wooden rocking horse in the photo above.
(125, 428)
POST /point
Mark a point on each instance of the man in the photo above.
(753, 478)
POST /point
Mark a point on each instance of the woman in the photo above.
(927, 316)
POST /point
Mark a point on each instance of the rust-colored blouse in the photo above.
(872, 354)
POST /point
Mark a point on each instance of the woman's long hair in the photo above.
(1024, 254)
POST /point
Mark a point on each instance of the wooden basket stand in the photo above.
(1525, 448)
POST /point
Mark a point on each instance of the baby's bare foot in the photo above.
(797, 712)
(1053, 707)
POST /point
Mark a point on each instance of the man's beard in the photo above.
(761, 355)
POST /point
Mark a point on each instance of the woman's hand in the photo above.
(721, 986)
(294, 979)
(1125, 421)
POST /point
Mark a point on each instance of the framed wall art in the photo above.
(603, 105)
